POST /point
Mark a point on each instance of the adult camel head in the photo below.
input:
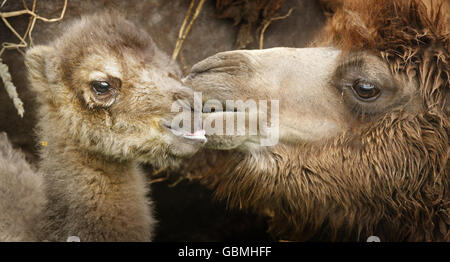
(363, 126)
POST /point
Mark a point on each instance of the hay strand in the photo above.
(33, 17)
(182, 35)
(266, 25)
(10, 88)
(4, 70)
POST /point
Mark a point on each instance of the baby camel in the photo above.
(105, 93)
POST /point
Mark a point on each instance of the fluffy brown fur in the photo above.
(95, 139)
(390, 176)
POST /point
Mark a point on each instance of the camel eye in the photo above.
(365, 91)
(100, 87)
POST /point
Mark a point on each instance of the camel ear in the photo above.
(42, 65)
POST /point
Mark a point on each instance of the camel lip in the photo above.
(197, 136)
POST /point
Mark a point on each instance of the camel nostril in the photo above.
(232, 63)
(217, 62)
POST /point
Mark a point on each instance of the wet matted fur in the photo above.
(390, 176)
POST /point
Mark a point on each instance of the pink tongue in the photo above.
(198, 133)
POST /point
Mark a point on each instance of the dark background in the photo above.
(186, 211)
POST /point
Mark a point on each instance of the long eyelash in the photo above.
(359, 110)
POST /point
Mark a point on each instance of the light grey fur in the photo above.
(21, 195)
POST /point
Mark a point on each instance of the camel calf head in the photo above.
(111, 91)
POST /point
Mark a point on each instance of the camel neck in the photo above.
(93, 197)
(68, 155)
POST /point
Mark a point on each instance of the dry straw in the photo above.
(182, 35)
(267, 23)
(25, 40)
